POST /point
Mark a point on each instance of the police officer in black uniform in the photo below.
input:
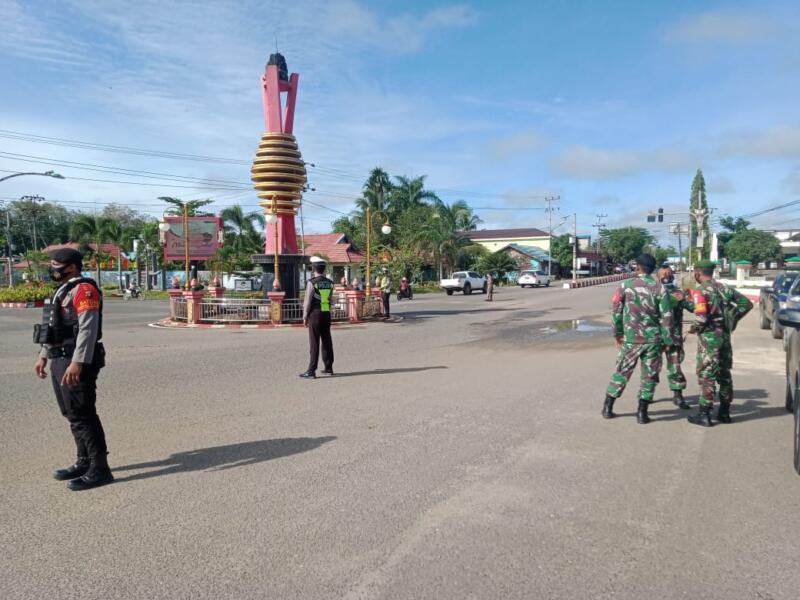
(70, 333)
(317, 317)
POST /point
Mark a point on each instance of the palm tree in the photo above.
(191, 205)
(88, 229)
(376, 191)
(119, 236)
(410, 192)
(497, 262)
(241, 227)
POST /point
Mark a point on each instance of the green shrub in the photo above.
(110, 287)
(26, 293)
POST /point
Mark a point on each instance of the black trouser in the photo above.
(386, 296)
(77, 404)
(319, 329)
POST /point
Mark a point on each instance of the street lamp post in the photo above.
(52, 174)
(272, 218)
(386, 229)
(164, 227)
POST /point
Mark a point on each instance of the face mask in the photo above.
(57, 273)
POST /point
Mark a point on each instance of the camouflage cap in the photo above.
(705, 264)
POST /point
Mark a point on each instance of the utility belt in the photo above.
(61, 351)
(66, 351)
(52, 334)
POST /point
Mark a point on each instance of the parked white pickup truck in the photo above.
(463, 281)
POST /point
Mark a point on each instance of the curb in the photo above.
(169, 324)
(571, 285)
(29, 304)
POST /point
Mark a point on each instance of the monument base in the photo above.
(289, 269)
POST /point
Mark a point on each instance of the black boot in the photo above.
(702, 417)
(308, 375)
(608, 408)
(328, 371)
(641, 415)
(73, 471)
(98, 474)
(724, 412)
(678, 400)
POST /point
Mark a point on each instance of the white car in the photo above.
(533, 279)
(464, 281)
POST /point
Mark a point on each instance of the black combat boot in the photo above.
(308, 375)
(73, 471)
(678, 400)
(702, 417)
(641, 415)
(98, 474)
(328, 371)
(724, 412)
(608, 408)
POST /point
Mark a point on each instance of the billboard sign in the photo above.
(205, 238)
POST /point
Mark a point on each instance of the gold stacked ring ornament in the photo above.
(278, 173)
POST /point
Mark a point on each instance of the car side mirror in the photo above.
(789, 317)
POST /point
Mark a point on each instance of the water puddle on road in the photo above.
(570, 332)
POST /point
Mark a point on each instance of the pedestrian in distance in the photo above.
(70, 334)
(717, 308)
(386, 291)
(642, 320)
(317, 318)
(674, 353)
(489, 287)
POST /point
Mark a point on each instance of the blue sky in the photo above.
(610, 105)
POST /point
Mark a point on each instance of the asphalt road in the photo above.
(459, 453)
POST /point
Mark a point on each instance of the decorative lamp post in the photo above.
(272, 219)
(164, 227)
(386, 229)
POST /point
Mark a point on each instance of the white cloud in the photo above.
(512, 146)
(780, 141)
(401, 34)
(720, 27)
(719, 184)
(584, 162)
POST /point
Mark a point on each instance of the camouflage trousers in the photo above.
(629, 355)
(674, 356)
(714, 363)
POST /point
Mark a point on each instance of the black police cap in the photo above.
(647, 261)
(67, 256)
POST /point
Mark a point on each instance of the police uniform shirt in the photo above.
(82, 305)
(308, 302)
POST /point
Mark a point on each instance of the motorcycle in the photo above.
(405, 290)
(133, 293)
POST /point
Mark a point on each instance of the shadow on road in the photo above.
(223, 457)
(429, 314)
(389, 371)
(749, 410)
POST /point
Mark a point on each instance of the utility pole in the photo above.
(549, 209)
(600, 225)
(574, 247)
(8, 245)
(34, 212)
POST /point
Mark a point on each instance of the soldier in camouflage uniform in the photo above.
(717, 308)
(642, 319)
(674, 353)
